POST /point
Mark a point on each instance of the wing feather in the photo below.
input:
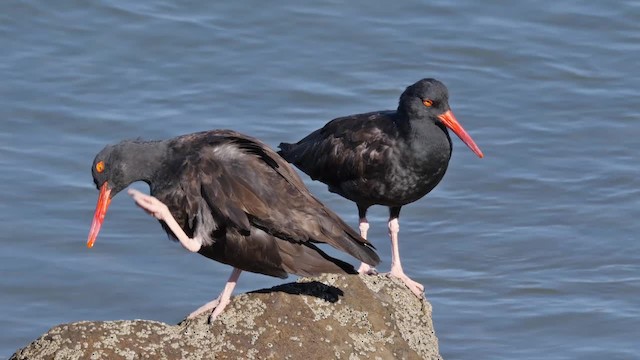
(344, 149)
(245, 183)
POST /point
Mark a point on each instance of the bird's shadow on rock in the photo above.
(313, 288)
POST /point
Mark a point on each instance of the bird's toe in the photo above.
(366, 269)
(416, 288)
(211, 305)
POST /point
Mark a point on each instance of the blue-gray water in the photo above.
(529, 253)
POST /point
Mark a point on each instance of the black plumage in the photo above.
(243, 204)
(389, 158)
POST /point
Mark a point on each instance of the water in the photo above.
(529, 253)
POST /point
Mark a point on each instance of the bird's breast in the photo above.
(413, 181)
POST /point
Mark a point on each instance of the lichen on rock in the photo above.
(326, 317)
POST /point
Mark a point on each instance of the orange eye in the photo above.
(427, 102)
(100, 166)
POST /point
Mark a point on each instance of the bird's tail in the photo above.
(306, 259)
(341, 236)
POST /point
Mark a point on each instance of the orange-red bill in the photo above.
(98, 217)
(452, 123)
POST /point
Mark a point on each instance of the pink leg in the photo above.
(222, 301)
(160, 211)
(396, 266)
(157, 209)
(364, 267)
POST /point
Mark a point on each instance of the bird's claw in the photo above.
(216, 307)
(150, 204)
(416, 288)
(218, 310)
(366, 269)
(211, 305)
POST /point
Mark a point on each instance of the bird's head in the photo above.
(429, 99)
(108, 175)
(110, 169)
(113, 169)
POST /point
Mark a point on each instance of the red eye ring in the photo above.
(427, 102)
(100, 166)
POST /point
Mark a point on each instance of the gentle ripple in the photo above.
(531, 252)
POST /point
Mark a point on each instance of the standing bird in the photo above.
(231, 198)
(389, 158)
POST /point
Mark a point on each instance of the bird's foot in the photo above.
(366, 269)
(204, 308)
(415, 287)
(215, 306)
(150, 204)
(218, 310)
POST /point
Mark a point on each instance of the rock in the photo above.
(327, 317)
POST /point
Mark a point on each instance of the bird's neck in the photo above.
(417, 126)
(145, 160)
(424, 136)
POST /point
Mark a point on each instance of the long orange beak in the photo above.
(452, 123)
(98, 217)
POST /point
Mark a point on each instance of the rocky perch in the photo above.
(327, 317)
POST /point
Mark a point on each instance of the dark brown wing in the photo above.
(246, 184)
(345, 149)
(276, 257)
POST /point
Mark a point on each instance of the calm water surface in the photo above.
(529, 253)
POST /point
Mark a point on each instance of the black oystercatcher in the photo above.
(232, 199)
(389, 158)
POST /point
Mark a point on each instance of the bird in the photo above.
(390, 158)
(232, 199)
